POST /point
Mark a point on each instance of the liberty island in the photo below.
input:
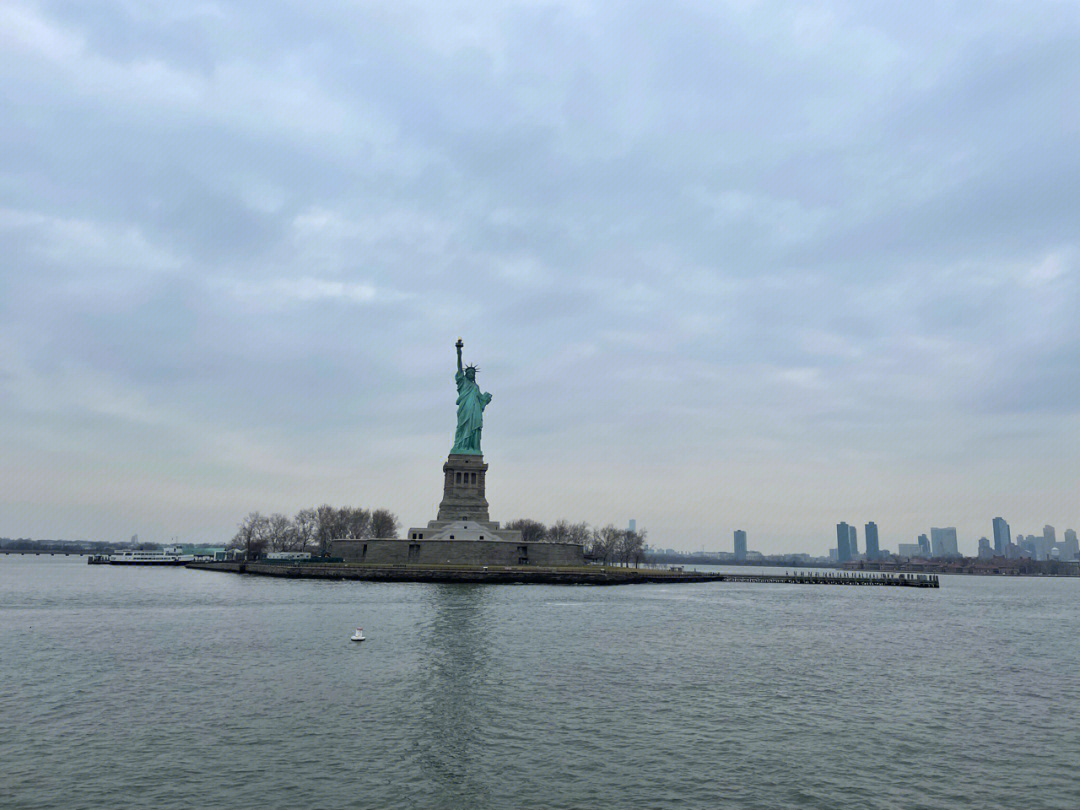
(462, 543)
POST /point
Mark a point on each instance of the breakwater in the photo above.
(587, 575)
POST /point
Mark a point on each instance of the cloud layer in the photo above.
(723, 265)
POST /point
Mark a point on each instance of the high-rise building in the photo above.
(633, 525)
(1002, 536)
(943, 542)
(985, 550)
(740, 544)
(853, 541)
(872, 549)
(1049, 534)
(1071, 549)
(924, 543)
(843, 542)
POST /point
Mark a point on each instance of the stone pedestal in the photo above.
(462, 534)
(463, 513)
(463, 489)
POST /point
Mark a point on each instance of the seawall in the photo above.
(586, 575)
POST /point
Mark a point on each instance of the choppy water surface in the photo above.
(166, 688)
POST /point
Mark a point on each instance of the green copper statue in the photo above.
(470, 408)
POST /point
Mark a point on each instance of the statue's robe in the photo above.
(470, 414)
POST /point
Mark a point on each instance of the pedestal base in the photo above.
(463, 489)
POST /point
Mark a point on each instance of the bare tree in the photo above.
(578, 533)
(280, 532)
(605, 543)
(631, 547)
(559, 531)
(252, 535)
(306, 529)
(639, 546)
(594, 548)
(354, 524)
(384, 523)
(326, 525)
(532, 531)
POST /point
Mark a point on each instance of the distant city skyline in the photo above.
(1042, 546)
(739, 265)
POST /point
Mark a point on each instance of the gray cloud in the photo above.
(797, 263)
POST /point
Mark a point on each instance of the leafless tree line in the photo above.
(311, 529)
(607, 543)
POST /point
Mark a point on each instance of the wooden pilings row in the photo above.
(841, 578)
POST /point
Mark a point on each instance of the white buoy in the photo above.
(358, 635)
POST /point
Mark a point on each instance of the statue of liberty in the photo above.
(470, 408)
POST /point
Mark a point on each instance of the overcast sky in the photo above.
(722, 265)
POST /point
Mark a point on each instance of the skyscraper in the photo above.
(1072, 548)
(872, 549)
(924, 544)
(1049, 534)
(943, 542)
(843, 542)
(853, 541)
(1002, 536)
(740, 544)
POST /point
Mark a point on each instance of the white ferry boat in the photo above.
(167, 556)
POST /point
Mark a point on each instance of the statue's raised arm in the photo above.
(470, 408)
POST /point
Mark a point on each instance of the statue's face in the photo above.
(470, 373)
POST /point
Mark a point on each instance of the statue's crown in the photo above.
(473, 367)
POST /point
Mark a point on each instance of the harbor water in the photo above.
(169, 688)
